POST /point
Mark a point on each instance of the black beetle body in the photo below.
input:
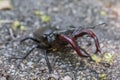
(51, 39)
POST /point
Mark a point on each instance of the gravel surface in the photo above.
(84, 13)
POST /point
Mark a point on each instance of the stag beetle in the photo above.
(48, 38)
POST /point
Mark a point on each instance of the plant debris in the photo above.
(5, 5)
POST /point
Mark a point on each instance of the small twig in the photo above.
(11, 33)
(6, 21)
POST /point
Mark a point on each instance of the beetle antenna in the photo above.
(93, 27)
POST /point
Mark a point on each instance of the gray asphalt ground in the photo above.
(84, 13)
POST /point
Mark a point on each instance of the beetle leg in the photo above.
(47, 61)
(24, 57)
(28, 38)
(73, 44)
(91, 34)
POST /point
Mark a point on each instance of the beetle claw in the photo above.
(91, 34)
(80, 34)
(73, 44)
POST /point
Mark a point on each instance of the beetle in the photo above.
(49, 38)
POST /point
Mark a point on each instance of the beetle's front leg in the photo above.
(28, 53)
(91, 34)
(30, 38)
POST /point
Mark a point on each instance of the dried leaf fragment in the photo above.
(5, 5)
(108, 57)
(103, 13)
(115, 11)
(17, 25)
(103, 76)
(37, 12)
(44, 18)
(96, 58)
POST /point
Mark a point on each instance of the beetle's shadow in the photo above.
(67, 60)
(70, 60)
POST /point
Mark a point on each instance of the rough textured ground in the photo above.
(85, 13)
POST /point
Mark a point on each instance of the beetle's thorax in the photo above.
(44, 35)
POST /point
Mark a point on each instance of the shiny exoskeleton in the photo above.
(48, 38)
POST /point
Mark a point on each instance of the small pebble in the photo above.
(30, 64)
(3, 78)
(67, 78)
